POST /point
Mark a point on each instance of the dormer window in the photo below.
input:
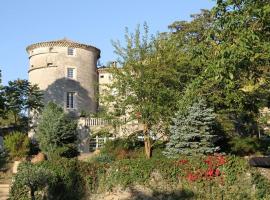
(71, 51)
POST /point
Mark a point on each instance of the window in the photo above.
(70, 100)
(101, 76)
(70, 52)
(71, 73)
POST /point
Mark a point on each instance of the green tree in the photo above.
(192, 132)
(233, 52)
(2, 102)
(2, 99)
(21, 97)
(146, 87)
(33, 178)
(57, 131)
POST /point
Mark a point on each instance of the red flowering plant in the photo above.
(206, 169)
(213, 163)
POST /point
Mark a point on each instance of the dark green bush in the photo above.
(244, 145)
(66, 179)
(103, 158)
(121, 148)
(69, 184)
(91, 174)
(127, 172)
(57, 132)
(17, 144)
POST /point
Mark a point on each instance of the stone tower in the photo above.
(66, 72)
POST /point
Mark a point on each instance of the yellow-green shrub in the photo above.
(17, 144)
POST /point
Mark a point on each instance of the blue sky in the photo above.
(94, 22)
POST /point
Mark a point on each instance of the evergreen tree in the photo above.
(192, 132)
(22, 97)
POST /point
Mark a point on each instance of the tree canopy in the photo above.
(21, 97)
(147, 84)
(221, 55)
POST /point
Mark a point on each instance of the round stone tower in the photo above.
(66, 72)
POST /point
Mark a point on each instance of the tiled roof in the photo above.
(62, 43)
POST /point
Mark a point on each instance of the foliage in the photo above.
(261, 185)
(192, 132)
(30, 179)
(2, 102)
(212, 177)
(145, 71)
(101, 158)
(3, 159)
(104, 132)
(61, 177)
(120, 148)
(22, 97)
(17, 144)
(57, 131)
(215, 176)
(244, 145)
(68, 182)
(212, 169)
(127, 172)
(229, 45)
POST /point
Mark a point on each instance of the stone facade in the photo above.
(105, 79)
(49, 65)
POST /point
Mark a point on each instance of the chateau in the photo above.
(66, 72)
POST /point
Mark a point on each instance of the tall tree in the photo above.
(21, 97)
(233, 52)
(147, 85)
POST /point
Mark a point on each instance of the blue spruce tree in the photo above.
(192, 132)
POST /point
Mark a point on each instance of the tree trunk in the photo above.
(32, 192)
(147, 142)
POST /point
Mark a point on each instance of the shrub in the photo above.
(121, 148)
(69, 183)
(17, 145)
(91, 174)
(262, 186)
(61, 176)
(3, 159)
(102, 133)
(30, 180)
(244, 145)
(57, 132)
(103, 158)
